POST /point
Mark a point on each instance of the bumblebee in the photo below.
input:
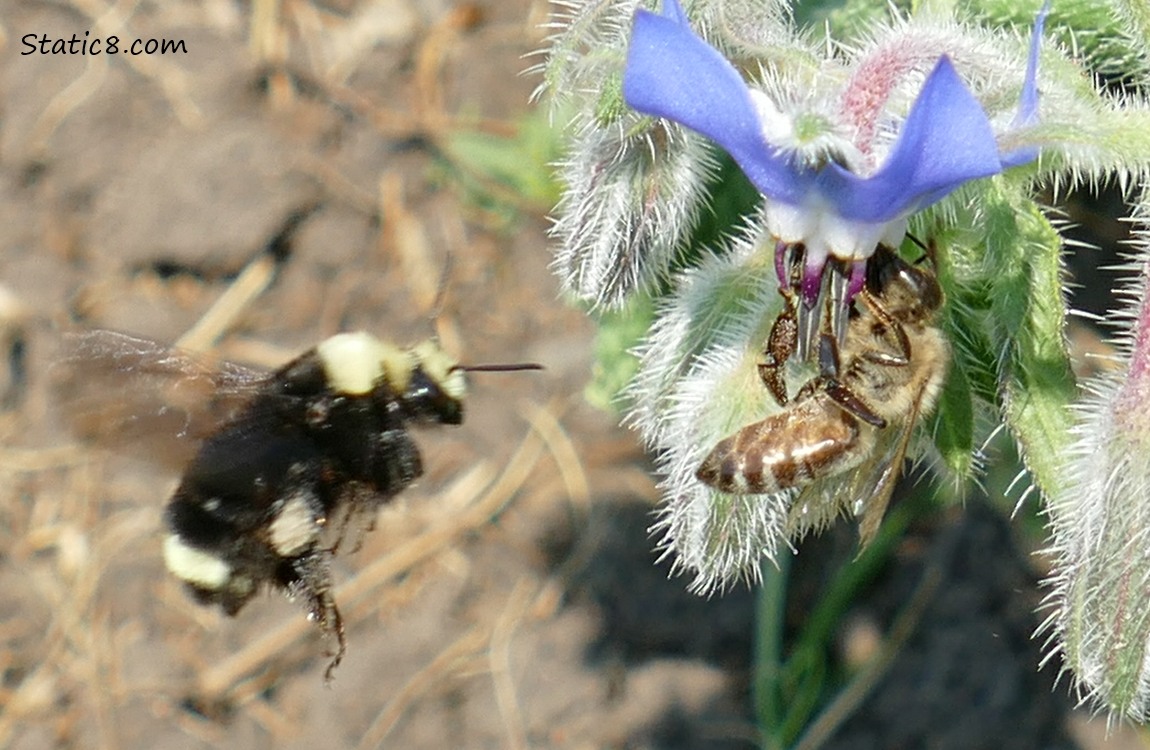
(277, 467)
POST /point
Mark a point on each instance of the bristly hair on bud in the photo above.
(1100, 517)
(698, 382)
(584, 49)
(634, 191)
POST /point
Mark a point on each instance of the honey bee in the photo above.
(845, 434)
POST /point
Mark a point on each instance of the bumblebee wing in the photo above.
(122, 391)
(353, 516)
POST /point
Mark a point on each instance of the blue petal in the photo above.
(673, 11)
(945, 141)
(1028, 101)
(672, 73)
(1019, 156)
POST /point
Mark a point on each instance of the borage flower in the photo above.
(830, 194)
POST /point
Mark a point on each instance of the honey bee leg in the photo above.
(893, 334)
(829, 360)
(847, 399)
(833, 387)
(780, 345)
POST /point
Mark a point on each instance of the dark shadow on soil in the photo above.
(967, 676)
(646, 612)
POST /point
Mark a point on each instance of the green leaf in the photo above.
(1104, 35)
(953, 427)
(1028, 314)
(846, 19)
(508, 173)
(620, 331)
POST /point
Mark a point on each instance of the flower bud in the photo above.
(697, 383)
(1100, 525)
(633, 193)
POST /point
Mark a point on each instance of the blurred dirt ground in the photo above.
(293, 175)
(135, 192)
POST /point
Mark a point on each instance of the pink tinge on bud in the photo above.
(1132, 402)
(866, 95)
(1140, 354)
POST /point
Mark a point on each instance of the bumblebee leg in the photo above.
(333, 623)
(307, 578)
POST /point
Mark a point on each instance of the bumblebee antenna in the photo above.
(437, 310)
(500, 367)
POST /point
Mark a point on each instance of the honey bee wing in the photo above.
(122, 391)
(874, 481)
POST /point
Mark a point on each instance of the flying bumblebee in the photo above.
(276, 467)
(844, 436)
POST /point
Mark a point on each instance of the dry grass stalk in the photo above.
(443, 666)
(561, 447)
(499, 657)
(253, 281)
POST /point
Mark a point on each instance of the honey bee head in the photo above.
(429, 384)
(910, 293)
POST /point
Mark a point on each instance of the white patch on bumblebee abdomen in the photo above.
(196, 566)
(295, 526)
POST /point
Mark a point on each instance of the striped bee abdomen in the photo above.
(810, 439)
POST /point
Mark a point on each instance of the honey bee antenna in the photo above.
(918, 242)
(500, 367)
(929, 251)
